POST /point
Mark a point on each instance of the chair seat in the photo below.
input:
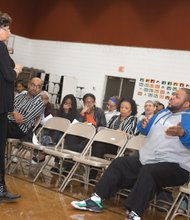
(57, 153)
(33, 146)
(92, 161)
(185, 189)
(13, 140)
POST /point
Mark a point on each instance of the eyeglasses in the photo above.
(35, 86)
(88, 102)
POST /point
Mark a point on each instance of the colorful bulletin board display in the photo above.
(158, 89)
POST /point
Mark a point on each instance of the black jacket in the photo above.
(99, 117)
(7, 78)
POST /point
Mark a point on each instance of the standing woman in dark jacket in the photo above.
(8, 73)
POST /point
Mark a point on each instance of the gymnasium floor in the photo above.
(42, 202)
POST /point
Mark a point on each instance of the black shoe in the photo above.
(6, 196)
(35, 160)
(55, 169)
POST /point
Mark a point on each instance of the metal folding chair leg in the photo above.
(174, 208)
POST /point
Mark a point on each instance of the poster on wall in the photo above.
(158, 89)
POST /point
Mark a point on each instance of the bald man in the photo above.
(27, 108)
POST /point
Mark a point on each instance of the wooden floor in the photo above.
(42, 201)
(39, 202)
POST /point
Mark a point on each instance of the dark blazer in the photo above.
(7, 78)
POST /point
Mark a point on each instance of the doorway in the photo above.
(116, 86)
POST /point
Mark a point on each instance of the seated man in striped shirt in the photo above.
(27, 108)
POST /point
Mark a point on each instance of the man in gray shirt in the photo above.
(163, 161)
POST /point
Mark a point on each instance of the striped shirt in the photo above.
(30, 108)
(128, 124)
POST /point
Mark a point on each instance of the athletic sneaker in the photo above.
(133, 216)
(93, 204)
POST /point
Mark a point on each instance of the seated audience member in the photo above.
(68, 110)
(125, 121)
(20, 87)
(48, 107)
(27, 108)
(163, 161)
(159, 106)
(149, 110)
(112, 106)
(92, 114)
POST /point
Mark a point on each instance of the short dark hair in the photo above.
(22, 83)
(5, 19)
(89, 95)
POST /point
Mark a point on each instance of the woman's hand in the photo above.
(85, 109)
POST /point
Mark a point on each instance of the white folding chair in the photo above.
(53, 124)
(12, 143)
(109, 136)
(79, 129)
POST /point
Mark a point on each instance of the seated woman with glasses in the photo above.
(92, 114)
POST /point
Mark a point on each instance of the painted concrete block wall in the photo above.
(90, 63)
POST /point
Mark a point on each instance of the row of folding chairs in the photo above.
(117, 138)
(84, 158)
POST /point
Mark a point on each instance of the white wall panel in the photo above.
(90, 63)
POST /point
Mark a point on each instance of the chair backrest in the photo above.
(109, 136)
(82, 130)
(136, 142)
(57, 123)
(54, 124)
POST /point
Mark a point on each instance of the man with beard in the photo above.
(163, 161)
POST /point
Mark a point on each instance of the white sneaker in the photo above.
(93, 204)
(133, 216)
